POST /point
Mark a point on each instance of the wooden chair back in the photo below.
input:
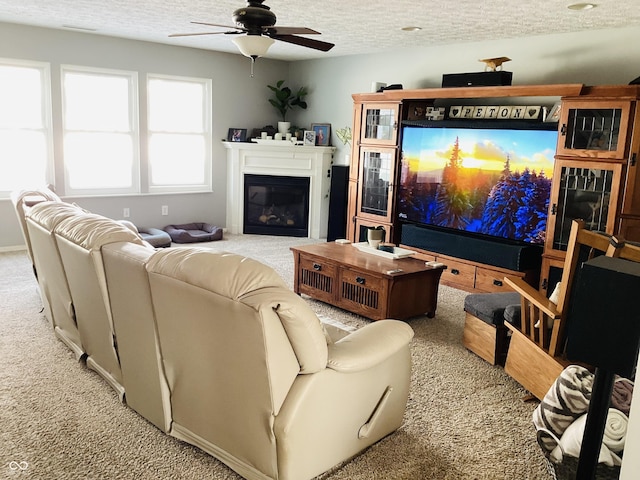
(534, 358)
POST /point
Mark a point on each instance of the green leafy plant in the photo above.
(284, 99)
(344, 135)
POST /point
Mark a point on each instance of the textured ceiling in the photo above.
(356, 27)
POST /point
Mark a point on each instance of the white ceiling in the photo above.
(356, 27)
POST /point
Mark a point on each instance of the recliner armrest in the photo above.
(369, 345)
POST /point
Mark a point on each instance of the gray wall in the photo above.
(602, 57)
(595, 57)
(238, 101)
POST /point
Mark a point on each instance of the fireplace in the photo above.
(305, 163)
(276, 205)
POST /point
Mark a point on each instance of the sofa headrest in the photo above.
(224, 273)
(33, 196)
(50, 213)
(91, 231)
(254, 284)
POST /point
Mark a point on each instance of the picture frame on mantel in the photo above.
(309, 137)
(323, 133)
(237, 135)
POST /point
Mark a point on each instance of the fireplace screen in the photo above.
(275, 205)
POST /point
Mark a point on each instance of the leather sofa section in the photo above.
(228, 365)
(80, 239)
(279, 406)
(145, 386)
(214, 349)
(41, 220)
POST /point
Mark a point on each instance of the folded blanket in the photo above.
(567, 399)
(621, 395)
(615, 430)
(571, 443)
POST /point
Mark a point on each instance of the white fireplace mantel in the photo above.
(282, 160)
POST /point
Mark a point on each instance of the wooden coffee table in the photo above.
(365, 283)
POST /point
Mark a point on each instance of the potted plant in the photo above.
(284, 99)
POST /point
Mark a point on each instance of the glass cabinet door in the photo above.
(380, 123)
(582, 190)
(377, 173)
(592, 129)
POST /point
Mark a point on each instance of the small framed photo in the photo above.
(237, 135)
(309, 137)
(417, 110)
(554, 113)
(323, 133)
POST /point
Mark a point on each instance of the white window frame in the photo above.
(47, 127)
(132, 79)
(207, 186)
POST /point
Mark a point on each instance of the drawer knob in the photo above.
(455, 271)
(360, 280)
(317, 267)
(497, 283)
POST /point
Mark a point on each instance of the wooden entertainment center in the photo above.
(604, 171)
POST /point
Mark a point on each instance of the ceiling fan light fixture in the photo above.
(581, 6)
(253, 46)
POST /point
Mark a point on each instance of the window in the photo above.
(179, 122)
(100, 119)
(26, 158)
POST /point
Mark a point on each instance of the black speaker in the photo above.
(480, 79)
(338, 202)
(603, 324)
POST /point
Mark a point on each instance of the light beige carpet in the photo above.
(465, 419)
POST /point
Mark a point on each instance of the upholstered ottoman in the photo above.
(484, 331)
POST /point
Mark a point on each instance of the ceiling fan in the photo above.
(256, 30)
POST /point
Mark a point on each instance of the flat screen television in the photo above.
(491, 179)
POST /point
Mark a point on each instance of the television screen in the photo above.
(493, 181)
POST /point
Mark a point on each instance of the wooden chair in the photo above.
(536, 351)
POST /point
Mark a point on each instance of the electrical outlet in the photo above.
(126, 212)
(165, 209)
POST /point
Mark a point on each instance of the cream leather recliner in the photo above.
(80, 239)
(253, 378)
(144, 382)
(41, 220)
(22, 201)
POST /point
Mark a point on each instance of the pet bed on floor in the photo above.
(193, 232)
(156, 237)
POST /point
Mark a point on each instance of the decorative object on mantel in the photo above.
(237, 135)
(284, 99)
(323, 133)
(495, 112)
(309, 137)
(494, 64)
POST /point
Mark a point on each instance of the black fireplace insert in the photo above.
(276, 205)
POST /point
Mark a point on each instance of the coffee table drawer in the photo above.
(364, 293)
(317, 278)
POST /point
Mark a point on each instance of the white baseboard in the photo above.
(13, 248)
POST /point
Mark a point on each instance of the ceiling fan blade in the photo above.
(201, 33)
(218, 25)
(276, 30)
(304, 42)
